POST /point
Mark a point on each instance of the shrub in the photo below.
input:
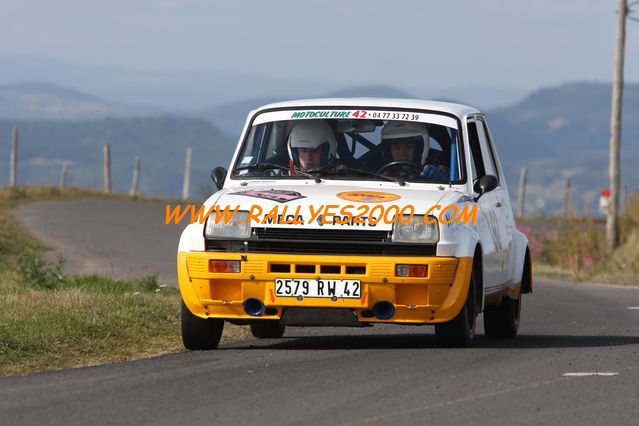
(35, 273)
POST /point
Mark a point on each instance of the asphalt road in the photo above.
(380, 375)
(122, 239)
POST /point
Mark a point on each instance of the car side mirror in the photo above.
(485, 184)
(218, 175)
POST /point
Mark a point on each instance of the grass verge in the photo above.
(49, 320)
(574, 248)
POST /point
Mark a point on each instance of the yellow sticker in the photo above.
(368, 196)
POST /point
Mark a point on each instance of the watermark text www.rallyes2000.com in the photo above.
(325, 214)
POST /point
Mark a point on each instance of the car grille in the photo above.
(320, 241)
(322, 234)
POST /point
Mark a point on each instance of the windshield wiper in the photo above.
(262, 167)
(345, 170)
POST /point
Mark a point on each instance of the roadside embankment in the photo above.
(50, 319)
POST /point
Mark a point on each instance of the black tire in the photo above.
(460, 331)
(200, 333)
(268, 329)
(502, 321)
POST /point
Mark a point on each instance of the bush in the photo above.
(35, 273)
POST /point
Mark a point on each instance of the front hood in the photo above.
(313, 205)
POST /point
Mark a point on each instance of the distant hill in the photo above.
(200, 89)
(563, 132)
(169, 90)
(159, 141)
(573, 116)
(481, 97)
(48, 101)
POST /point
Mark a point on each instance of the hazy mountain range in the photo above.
(563, 132)
(558, 133)
(47, 101)
(187, 90)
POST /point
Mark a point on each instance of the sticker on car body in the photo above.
(278, 195)
(368, 196)
(355, 114)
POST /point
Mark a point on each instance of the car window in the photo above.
(275, 143)
(426, 149)
(250, 152)
(358, 142)
(486, 152)
(491, 146)
(476, 161)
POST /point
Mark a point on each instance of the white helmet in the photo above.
(312, 134)
(407, 130)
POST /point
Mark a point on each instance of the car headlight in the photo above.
(237, 227)
(418, 230)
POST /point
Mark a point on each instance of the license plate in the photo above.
(295, 287)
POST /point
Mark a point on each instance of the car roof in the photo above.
(447, 107)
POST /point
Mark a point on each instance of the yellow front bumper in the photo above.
(436, 298)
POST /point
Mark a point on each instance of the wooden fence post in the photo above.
(63, 177)
(107, 168)
(522, 192)
(136, 177)
(187, 174)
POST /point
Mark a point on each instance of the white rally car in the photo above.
(354, 212)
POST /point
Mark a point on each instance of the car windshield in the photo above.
(371, 144)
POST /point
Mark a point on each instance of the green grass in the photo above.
(71, 327)
(49, 320)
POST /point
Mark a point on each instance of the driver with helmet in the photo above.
(407, 144)
(312, 147)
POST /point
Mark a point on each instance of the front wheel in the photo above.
(502, 321)
(460, 331)
(268, 329)
(200, 333)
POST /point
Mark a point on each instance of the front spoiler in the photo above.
(436, 298)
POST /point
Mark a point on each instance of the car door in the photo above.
(487, 219)
(505, 220)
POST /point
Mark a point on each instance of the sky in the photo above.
(500, 43)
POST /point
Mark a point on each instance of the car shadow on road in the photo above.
(415, 341)
(557, 341)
